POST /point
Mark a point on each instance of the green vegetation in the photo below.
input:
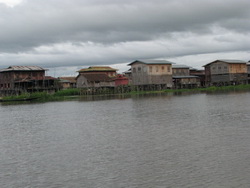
(71, 93)
(227, 88)
(36, 96)
(44, 96)
(207, 89)
(67, 92)
(22, 96)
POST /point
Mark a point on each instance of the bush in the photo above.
(67, 92)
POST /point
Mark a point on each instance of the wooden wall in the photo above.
(144, 74)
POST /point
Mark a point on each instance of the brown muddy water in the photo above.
(197, 140)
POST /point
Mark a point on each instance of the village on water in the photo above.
(144, 75)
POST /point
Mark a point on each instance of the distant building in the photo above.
(128, 74)
(121, 80)
(182, 77)
(25, 78)
(226, 72)
(67, 82)
(94, 81)
(111, 72)
(180, 70)
(200, 73)
(96, 77)
(148, 73)
(248, 72)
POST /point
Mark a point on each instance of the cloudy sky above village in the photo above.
(67, 35)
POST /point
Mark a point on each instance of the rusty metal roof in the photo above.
(22, 68)
(49, 78)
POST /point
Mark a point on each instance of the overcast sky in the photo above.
(67, 35)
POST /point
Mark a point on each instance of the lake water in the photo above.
(197, 140)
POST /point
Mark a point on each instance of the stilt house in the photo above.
(182, 77)
(94, 77)
(25, 78)
(151, 73)
(226, 72)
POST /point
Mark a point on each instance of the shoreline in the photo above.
(69, 94)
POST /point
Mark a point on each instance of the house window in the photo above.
(156, 68)
(139, 69)
(168, 69)
(134, 70)
(150, 69)
(162, 68)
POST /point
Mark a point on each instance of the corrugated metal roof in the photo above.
(68, 79)
(49, 78)
(97, 68)
(128, 71)
(230, 61)
(22, 68)
(176, 66)
(152, 61)
(64, 81)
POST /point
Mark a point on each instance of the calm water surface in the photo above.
(198, 140)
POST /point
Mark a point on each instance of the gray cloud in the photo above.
(55, 33)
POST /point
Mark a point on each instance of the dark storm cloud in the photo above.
(40, 22)
(57, 33)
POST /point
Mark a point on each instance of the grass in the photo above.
(38, 95)
(227, 88)
(68, 93)
(44, 96)
(22, 96)
(207, 89)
